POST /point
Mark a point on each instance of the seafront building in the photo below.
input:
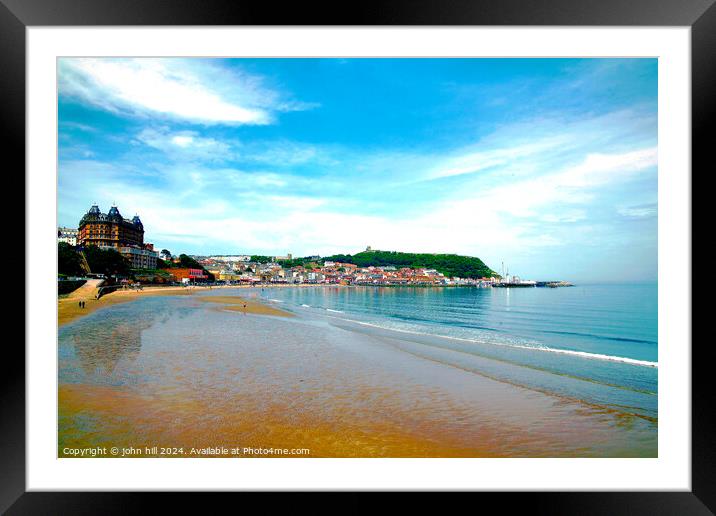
(112, 231)
(109, 229)
(67, 235)
(187, 275)
(140, 258)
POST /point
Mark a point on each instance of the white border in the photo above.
(670, 471)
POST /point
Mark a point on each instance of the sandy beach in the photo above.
(193, 372)
(245, 305)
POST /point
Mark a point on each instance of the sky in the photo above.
(546, 165)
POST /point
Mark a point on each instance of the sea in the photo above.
(597, 343)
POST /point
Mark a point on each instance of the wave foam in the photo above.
(582, 354)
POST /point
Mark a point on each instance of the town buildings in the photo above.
(187, 275)
(67, 235)
(329, 273)
(139, 257)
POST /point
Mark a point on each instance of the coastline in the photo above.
(68, 309)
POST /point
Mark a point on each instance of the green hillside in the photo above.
(451, 265)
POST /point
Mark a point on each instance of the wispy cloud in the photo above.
(190, 90)
(184, 145)
(639, 211)
(477, 161)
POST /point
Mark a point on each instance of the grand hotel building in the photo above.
(111, 230)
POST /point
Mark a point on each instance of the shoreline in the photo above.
(69, 311)
(203, 378)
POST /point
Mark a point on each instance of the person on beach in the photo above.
(80, 304)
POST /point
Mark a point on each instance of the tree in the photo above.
(187, 262)
(69, 261)
(451, 265)
(106, 261)
(166, 252)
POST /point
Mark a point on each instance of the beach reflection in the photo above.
(100, 357)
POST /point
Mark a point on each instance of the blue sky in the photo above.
(549, 165)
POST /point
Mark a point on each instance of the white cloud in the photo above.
(476, 161)
(638, 212)
(567, 217)
(185, 145)
(191, 90)
(598, 169)
(182, 140)
(77, 125)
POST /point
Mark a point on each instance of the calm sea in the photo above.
(597, 343)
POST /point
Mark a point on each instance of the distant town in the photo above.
(107, 245)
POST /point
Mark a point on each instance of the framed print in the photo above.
(424, 248)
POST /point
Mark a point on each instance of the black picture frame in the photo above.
(17, 15)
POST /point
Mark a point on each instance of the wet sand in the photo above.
(243, 305)
(178, 422)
